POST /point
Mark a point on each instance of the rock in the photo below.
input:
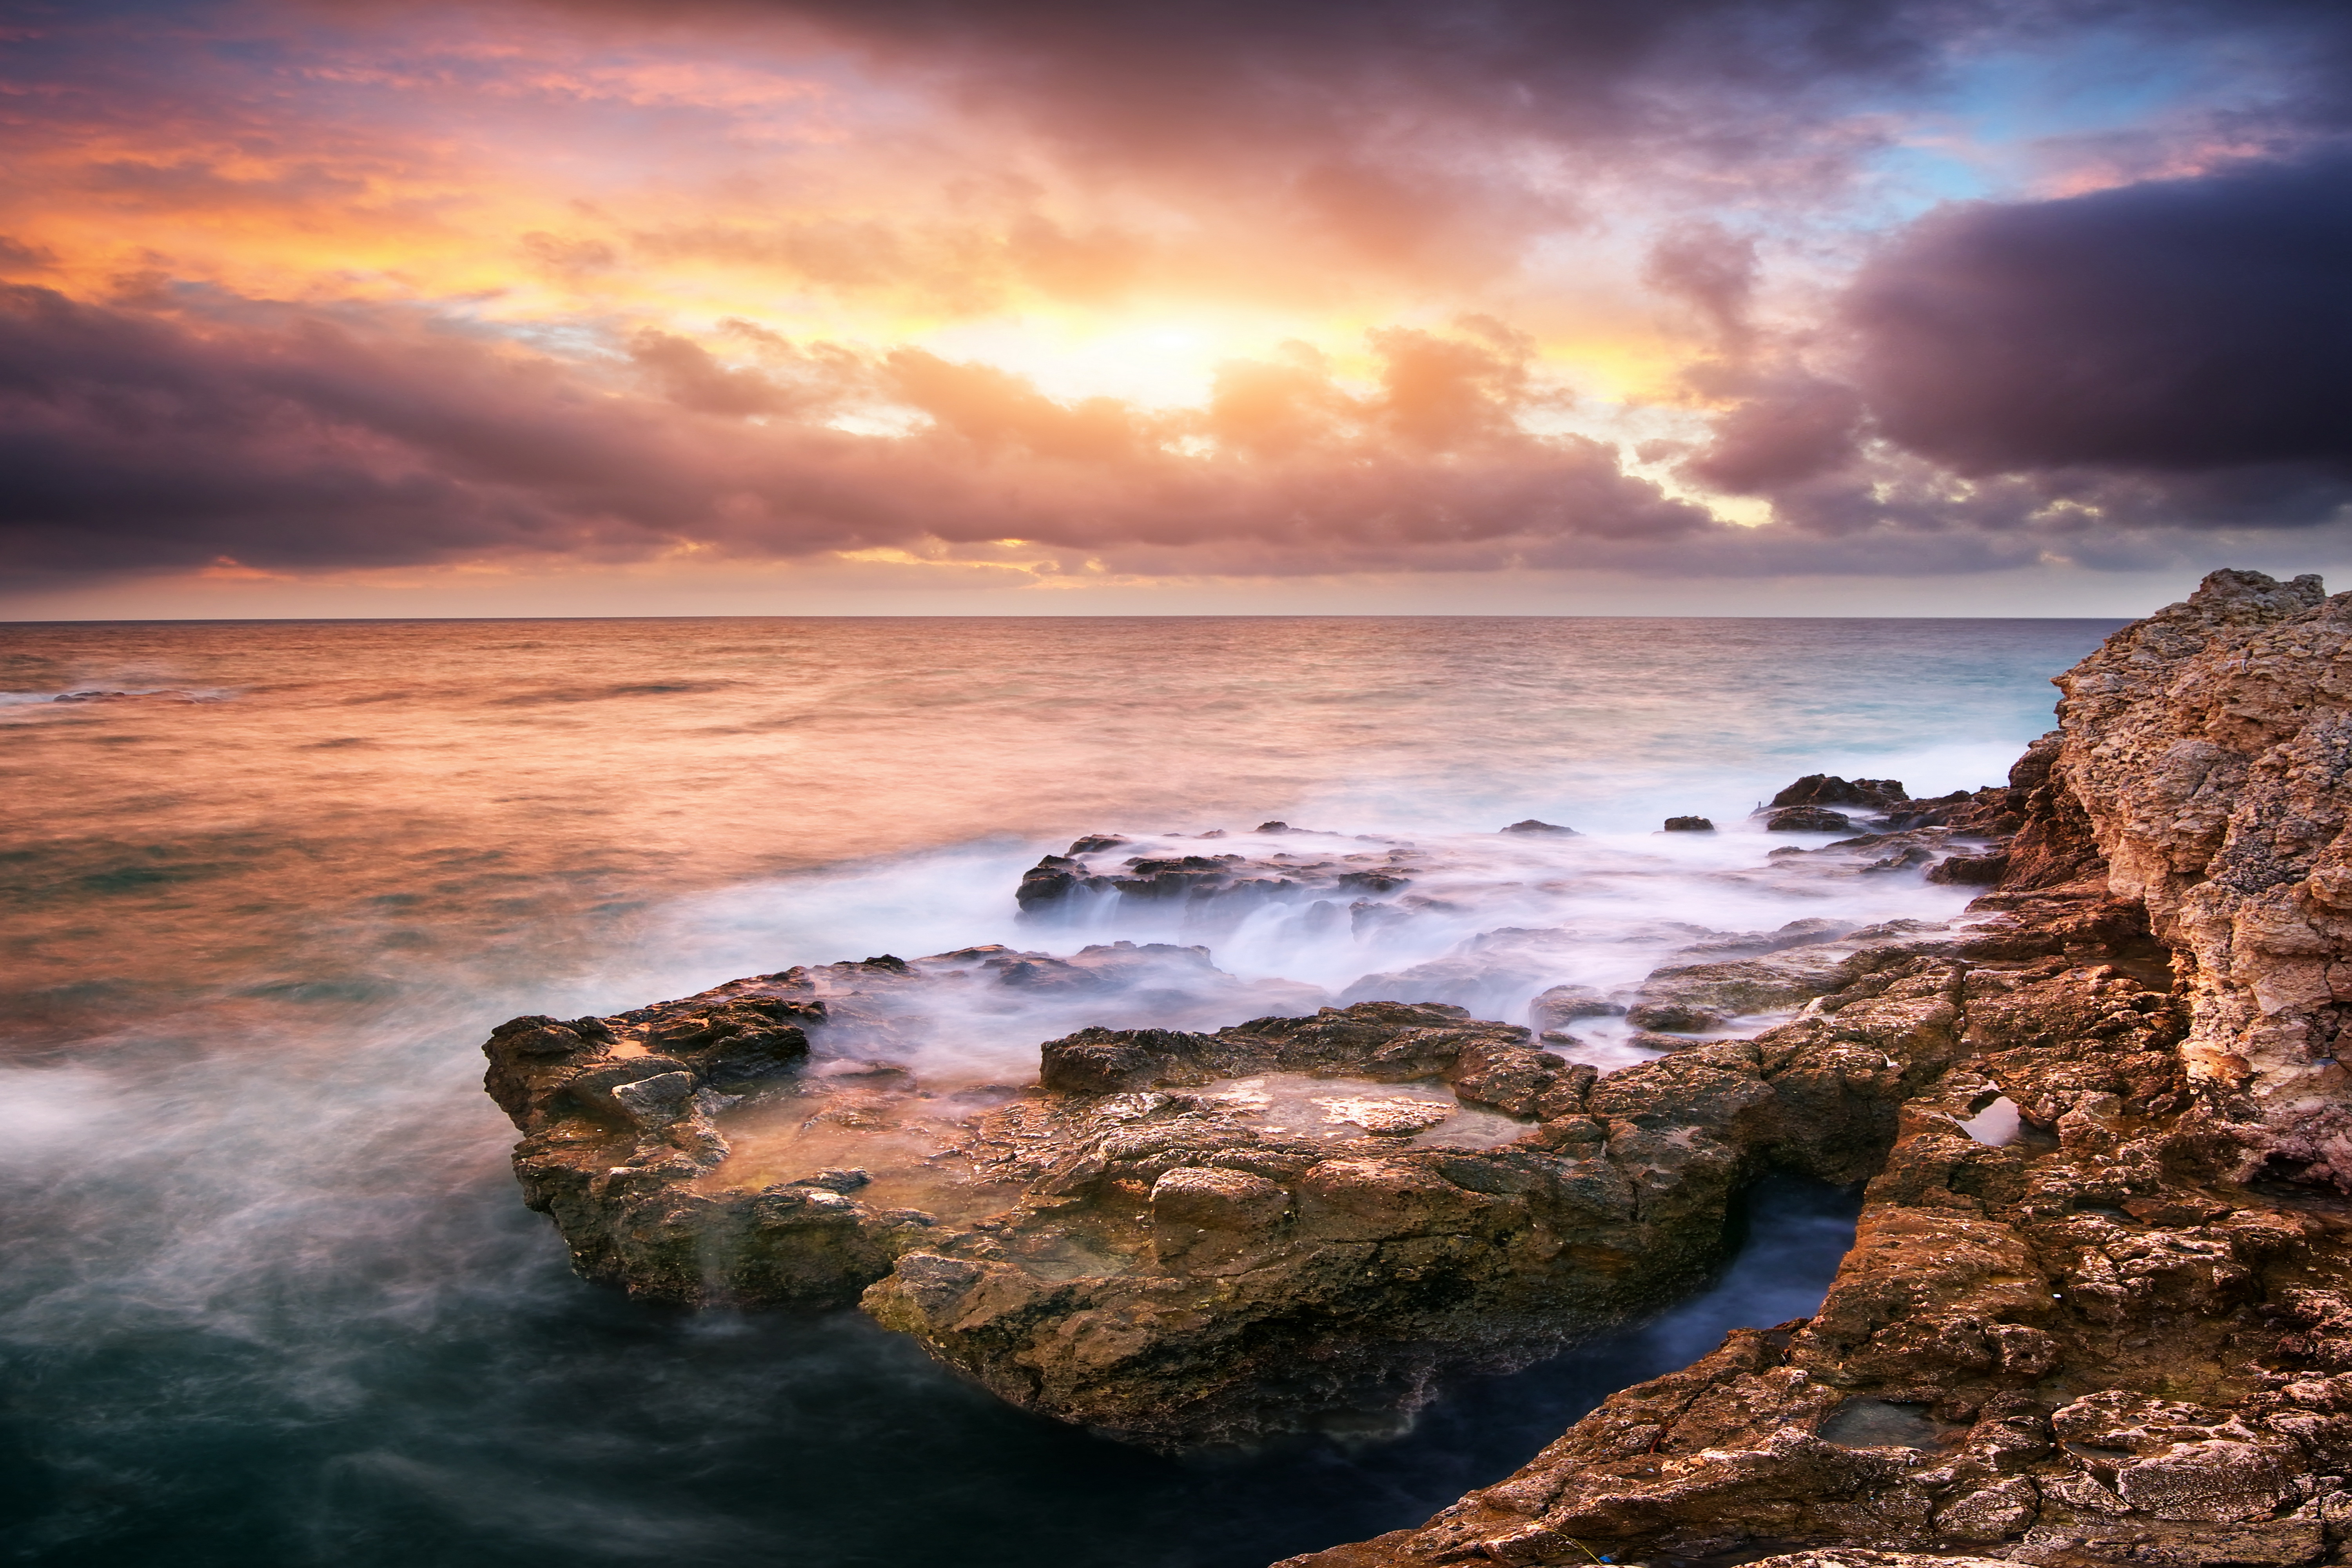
(2202, 754)
(1828, 789)
(1807, 819)
(1049, 881)
(1243, 1277)
(1775, 980)
(2100, 1300)
(2109, 1332)
(1563, 1004)
(1229, 885)
(1532, 826)
(1971, 870)
(1994, 811)
(1862, 1557)
(1183, 1237)
(1688, 824)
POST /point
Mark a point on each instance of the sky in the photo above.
(1024, 307)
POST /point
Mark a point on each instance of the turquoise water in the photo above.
(272, 1298)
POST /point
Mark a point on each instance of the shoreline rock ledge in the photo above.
(2099, 1308)
(2122, 1334)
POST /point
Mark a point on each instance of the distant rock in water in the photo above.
(1345, 871)
(1807, 819)
(1688, 824)
(94, 695)
(1532, 826)
(1828, 789)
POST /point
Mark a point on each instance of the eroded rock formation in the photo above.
(2099, 1303)
(2096, 1309)
(1183, 1237)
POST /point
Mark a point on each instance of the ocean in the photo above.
(270, 1295)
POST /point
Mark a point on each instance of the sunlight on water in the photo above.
(272, 1298)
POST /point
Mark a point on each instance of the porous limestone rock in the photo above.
(2085, 1344)
(2204, 754)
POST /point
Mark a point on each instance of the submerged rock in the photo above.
(1341, 868)
(1688, 824)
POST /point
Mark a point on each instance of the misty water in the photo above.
(271, 1295)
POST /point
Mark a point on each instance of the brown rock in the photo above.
(1807, 819)
(2089, 1342)
(1828, 789)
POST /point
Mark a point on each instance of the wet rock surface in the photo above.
(2100, 1301)
(1333, 867)
(1184, 1238)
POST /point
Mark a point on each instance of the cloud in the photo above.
(135, 441)
(131, 439)
(1712, 270)
(347, 286)
(1793, 426)
(2181, 326)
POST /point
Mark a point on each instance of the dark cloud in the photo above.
(1359, 82)
(1137, 71)
(2180, 326)
(16, 256)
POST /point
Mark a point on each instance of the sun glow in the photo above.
(1152, 360)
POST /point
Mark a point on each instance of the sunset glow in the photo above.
(813, 289)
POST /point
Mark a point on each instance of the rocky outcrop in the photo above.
(2096, 1307)
(2206, 751)
(1828, 789)
(1310, 866)
(1807, 819)
(1183, 1237)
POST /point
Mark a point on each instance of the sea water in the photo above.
(271, 1295)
